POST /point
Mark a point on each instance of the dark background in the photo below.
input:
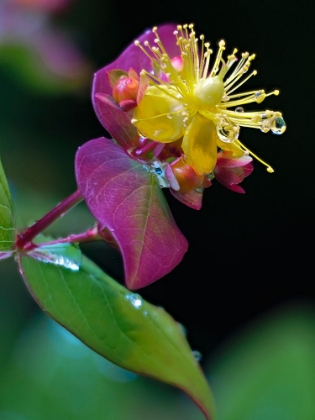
(248, 253)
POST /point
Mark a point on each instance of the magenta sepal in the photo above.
(117, 121)
(124, 196)
(131, 57)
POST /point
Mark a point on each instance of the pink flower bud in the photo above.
(126, 89)
(186, 177)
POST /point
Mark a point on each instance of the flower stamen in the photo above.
(202, 94)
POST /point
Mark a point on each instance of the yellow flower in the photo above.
(192, 101)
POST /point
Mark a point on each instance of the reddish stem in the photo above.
(24, 238)
(90, 235)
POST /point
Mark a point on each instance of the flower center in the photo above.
(182, 88)
(209, 92)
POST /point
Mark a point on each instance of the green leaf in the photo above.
(118, 324)
(7, 231)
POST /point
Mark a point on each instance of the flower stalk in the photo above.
(25, 238)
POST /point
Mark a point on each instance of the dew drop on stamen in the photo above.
(239, 109)
(278, 126)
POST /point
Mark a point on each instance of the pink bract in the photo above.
(231, 171)
(131, 57)
(129, 204)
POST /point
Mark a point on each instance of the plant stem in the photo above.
(90, 235)
(24, 238)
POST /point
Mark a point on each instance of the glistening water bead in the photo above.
(135, 299)
(278, 126)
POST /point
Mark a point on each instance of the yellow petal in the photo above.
(159, 116)
(230, 147)
(200, 146)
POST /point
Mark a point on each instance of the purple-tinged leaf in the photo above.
(116, 121)
(125, 197)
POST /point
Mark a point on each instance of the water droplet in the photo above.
(169, 116)
(239, 109)
(265, 126)
(159, 173)
(182, 329)
(228, 133)
(197, 354)
(56, 260)
(135, 299)
(278, 126)
(63, 255)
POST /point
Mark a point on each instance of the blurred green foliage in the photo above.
(266, 371)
